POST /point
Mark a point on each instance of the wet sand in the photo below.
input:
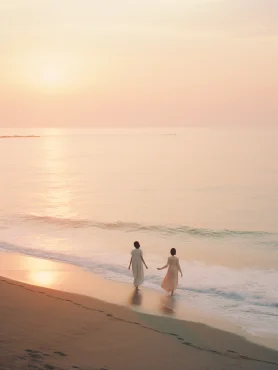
(49, 329)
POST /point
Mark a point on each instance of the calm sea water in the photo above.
(84, 196)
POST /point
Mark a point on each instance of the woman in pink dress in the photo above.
(170, 281)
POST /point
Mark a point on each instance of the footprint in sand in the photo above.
(60, 353)
(49, 367)
(35, 355)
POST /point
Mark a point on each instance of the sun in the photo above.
(50, 73)
(46, 75)
(51, 76)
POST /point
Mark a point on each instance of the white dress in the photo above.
(137, 267)
(170, 281)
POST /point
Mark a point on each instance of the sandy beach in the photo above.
(139, 185)
(49, 329)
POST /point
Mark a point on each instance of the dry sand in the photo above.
(48, 329)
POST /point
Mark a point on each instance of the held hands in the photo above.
(158, 268)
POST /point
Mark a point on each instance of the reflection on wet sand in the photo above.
(168, 305)
(136, 298)
(41, 272)
(42, 278)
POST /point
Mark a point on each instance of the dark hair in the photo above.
(137, 245)
(173, 251)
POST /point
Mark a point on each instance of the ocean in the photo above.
(84, 196)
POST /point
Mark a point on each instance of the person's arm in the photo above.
(179, 267)
(143, 260)
(130, 263)
(164, 267)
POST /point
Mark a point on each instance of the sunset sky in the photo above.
(138, 62)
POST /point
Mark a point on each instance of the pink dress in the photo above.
(170, 281)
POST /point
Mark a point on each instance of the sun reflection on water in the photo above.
(42, 278)
(42, 272)
(58, 192)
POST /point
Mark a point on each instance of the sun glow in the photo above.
(49, 75)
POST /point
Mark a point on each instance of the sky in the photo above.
(73, 63)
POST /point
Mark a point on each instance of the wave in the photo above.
(18, 136)
(256, 300)
(136, 227)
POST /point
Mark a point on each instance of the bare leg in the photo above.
(172, 293)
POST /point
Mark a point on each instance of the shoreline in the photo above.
(59, 318)
(73, 280)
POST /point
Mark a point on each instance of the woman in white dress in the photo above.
(137, 262)
(170, 281)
